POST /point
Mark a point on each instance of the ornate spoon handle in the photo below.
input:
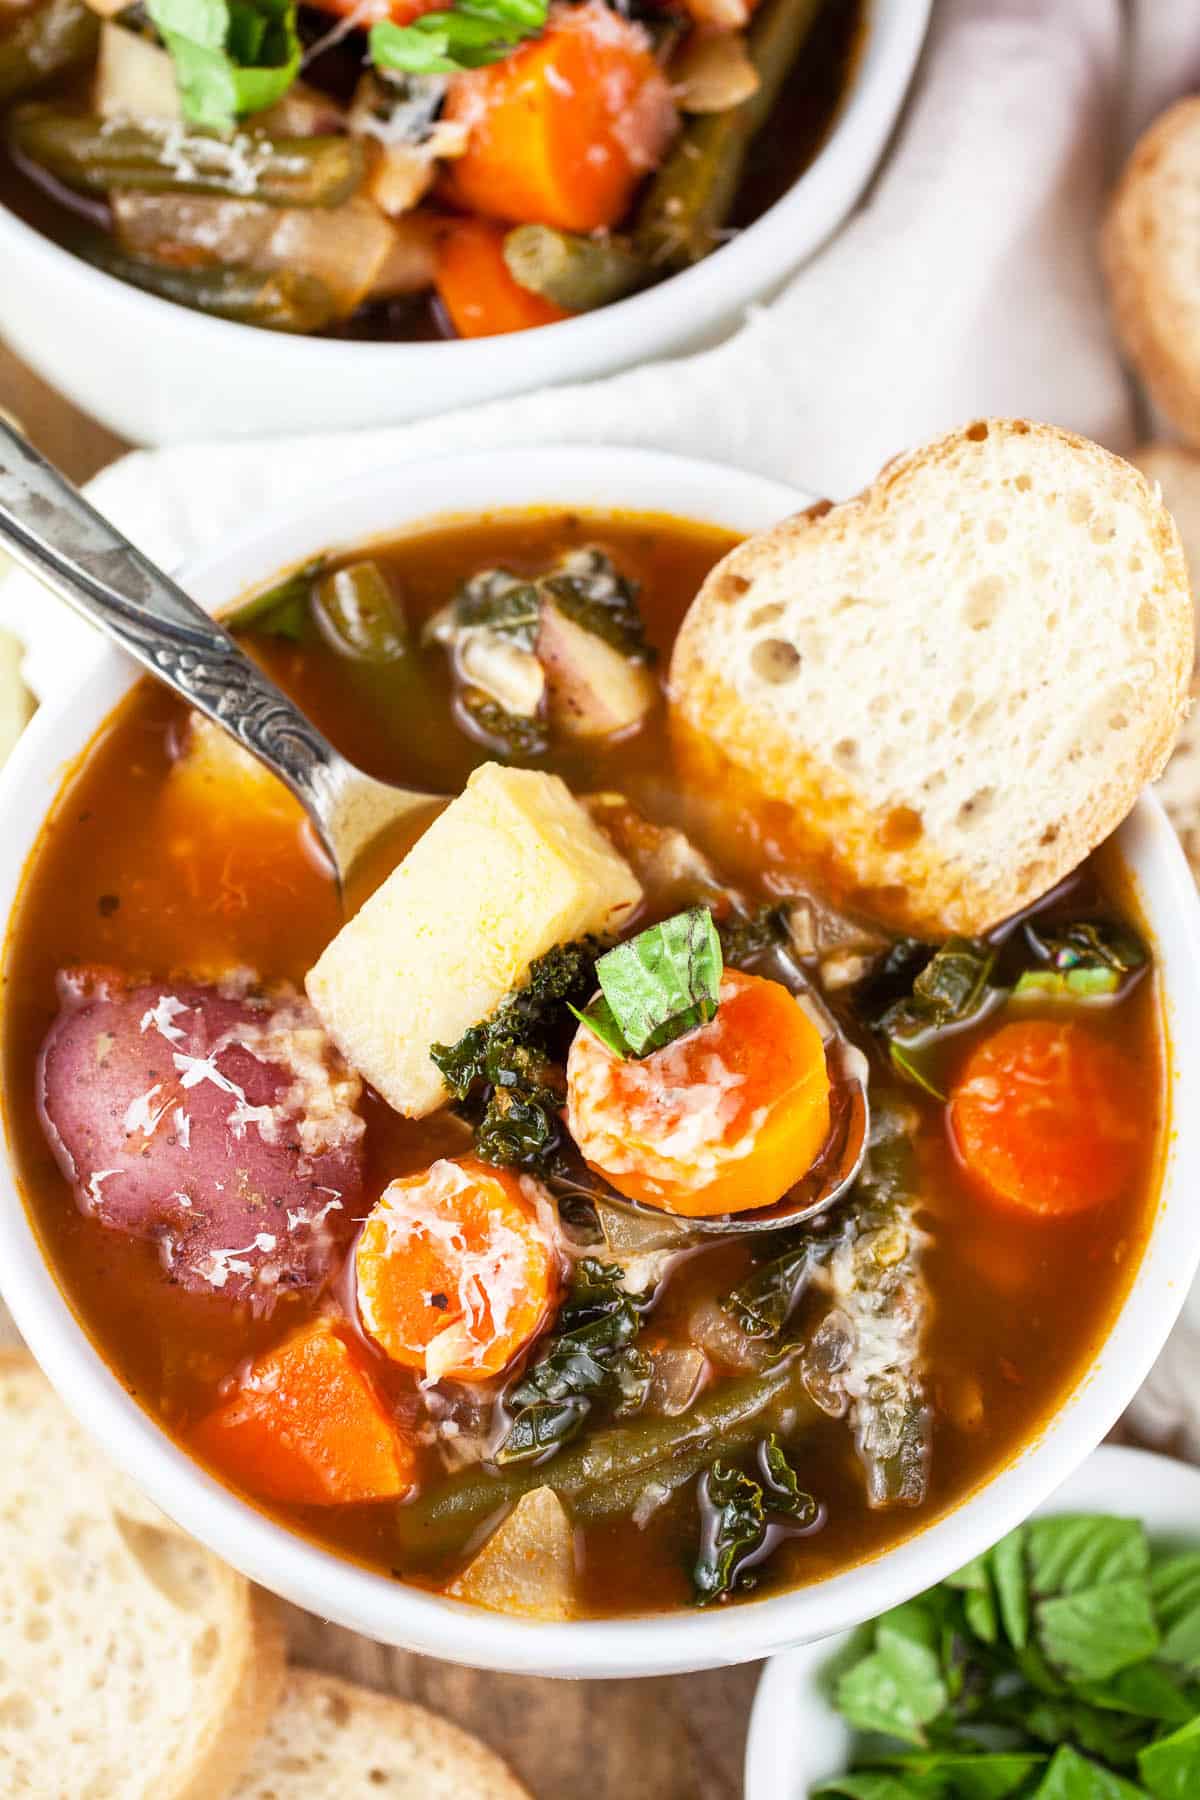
(48, 527)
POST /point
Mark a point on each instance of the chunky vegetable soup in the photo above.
(403, 1222)
(410, 168)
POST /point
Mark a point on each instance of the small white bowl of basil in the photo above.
(1064, 1664)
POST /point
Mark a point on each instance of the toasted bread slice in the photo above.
(331, 1740)
(1177, 472)
(135, 1665)
(948, 690)
(1150, 247)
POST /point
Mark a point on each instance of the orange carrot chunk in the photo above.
(307, 1428)
(563, 130)
(455, 1274)
(1044, 1117)
(476, 288)
(725, 1119)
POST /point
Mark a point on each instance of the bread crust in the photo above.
(730, 742)
(1155, 305)
(420, 1738)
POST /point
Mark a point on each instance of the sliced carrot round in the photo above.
(725, 1119)
(455, 1274)
(475, 287)
(1044, 1117)
(306, 1427)
(563, 130)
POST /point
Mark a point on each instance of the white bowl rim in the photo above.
(752, 261)
(387, 1610)
(1119, 1479)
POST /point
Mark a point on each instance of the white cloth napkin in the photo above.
(966, 283)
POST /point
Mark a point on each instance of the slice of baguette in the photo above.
(953, 687)
(1150, 248)
(134, 1665)
(331, 1740)
(1177, 473)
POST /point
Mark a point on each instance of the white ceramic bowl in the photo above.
(159, 373)
(796, 1739)
(385, 1609)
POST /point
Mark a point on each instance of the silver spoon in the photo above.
(48, 527)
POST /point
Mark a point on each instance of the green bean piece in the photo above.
(692, 195)
(577, 273)
(280, 610)
(277, 301)
(606, 1472)
(55, 37)
(94, 155)
(360, 615)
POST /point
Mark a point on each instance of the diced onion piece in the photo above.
(344, 247)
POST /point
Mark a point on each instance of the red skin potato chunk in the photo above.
(217, 1122)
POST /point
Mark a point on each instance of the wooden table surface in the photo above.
(672, 1739)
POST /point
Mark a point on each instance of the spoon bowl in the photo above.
(48, 527)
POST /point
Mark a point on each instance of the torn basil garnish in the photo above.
(736, 1515)
(658, 985)
(591, 1357)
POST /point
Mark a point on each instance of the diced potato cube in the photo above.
(527, 1566)
(512, 867)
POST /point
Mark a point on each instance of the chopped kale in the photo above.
(747, 936)
(282, 610)
(736, 1516)
(592, 1357)
(507, 1072)
(513, 734)
(498, 600)
(763, 1302)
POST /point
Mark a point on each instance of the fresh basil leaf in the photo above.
(881, 1784)
(659, 984)
(599, 1019)
(1170, 1769)
(978, 1776)
(1007, 1562)
(1074, 1777)
(899, 1688)
(469, 36)
(1113, 1737)
(1091, 1633)
(1146, 1691)
(974, 1581)
(1175, 1592)
(1071, 1551)
(231, 57)
(591, 1357)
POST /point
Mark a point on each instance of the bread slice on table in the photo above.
(1177, 473)
(946, 691)
(331, 1740)
(134, 1665)
(1150, 248)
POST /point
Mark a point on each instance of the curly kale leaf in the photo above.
(513, 734)
(748, 936)
(507, 1071)
(591, 1357)
(736, 1514)
(763, 1302)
